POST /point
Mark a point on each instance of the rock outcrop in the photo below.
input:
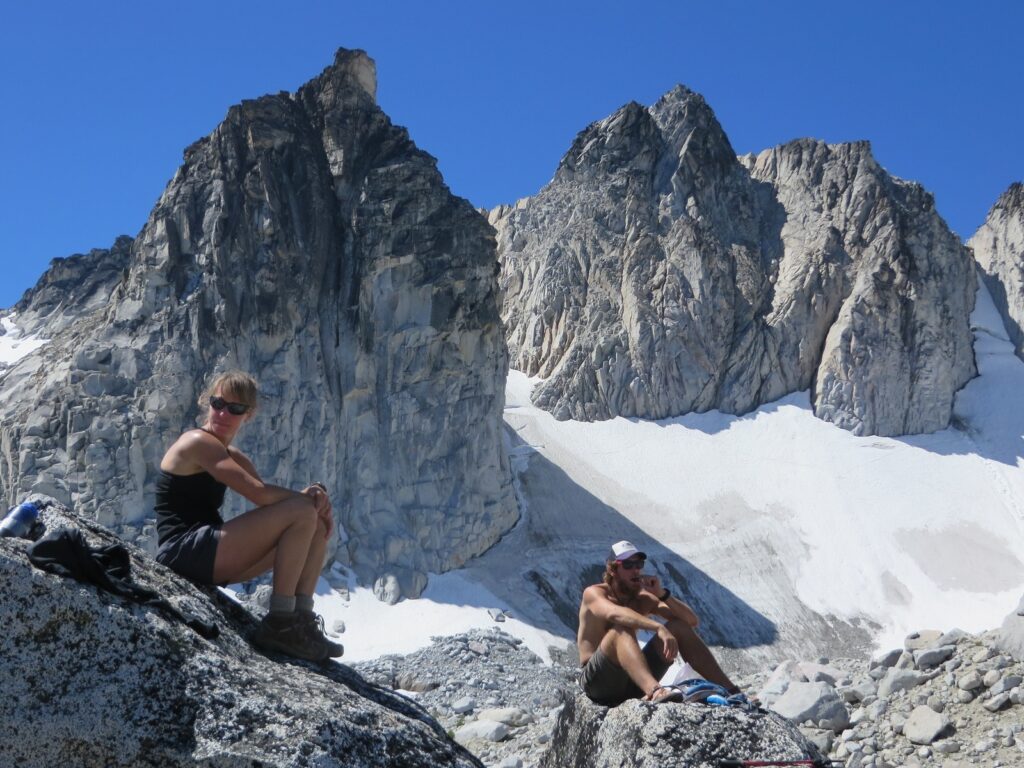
(999, 250)
(90, 679)
(641, 735)
(658, 274)
(309, 241)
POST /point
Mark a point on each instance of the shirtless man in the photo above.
(615, 667)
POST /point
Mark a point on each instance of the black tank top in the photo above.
(184, 502)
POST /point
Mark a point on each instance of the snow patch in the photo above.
(14, 344)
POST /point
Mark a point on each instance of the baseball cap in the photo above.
(623, 550)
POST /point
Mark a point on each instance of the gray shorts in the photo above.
(192, 553)
(606, 683)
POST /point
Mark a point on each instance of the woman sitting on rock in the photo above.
(287, 531)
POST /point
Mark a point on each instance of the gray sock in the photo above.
(282, 603)
(304, 603)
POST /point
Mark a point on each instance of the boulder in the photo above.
(481, 730)
(932, 657)
(897, 679)
(641, 735)
(925, 638)
(1010, 637)
(817, 702)
(89, 678)
(924, 725)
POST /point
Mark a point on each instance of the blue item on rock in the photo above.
(19, 520)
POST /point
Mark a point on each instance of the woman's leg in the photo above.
(284, 530)
(314, 561)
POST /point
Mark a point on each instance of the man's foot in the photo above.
(287, 633)
(663, 694)
(314, 624)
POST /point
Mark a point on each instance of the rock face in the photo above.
(658, 274)
(999, 249)
(309, 241)
(89, 679)
(641, 735)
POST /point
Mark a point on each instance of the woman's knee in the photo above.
(302, 511)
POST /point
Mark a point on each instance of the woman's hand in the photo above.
(322, 504)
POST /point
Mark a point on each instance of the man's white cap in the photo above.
(623, 550)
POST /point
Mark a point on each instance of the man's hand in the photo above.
(669, 646)
(652, 584)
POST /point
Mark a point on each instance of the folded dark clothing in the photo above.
(66, 553)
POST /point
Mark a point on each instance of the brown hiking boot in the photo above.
(287, 633)
(313, 623)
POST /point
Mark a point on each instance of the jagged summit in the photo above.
(658, 274)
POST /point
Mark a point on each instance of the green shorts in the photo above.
(607, 684)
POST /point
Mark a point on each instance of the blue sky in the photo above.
(99, 99)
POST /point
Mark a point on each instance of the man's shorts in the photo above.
(607, 684)
(192, 553)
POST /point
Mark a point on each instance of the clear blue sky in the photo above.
(100, 98)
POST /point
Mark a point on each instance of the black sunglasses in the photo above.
(235, 409)
(633, 564)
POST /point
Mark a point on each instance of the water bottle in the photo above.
(19, 520)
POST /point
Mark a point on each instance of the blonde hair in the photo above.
(238, 383)
(609, 572)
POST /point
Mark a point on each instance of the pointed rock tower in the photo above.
(309, 241)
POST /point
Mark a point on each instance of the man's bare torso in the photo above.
(593, 629)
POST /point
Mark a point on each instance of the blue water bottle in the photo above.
(19, 520)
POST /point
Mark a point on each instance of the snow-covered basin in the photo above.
(914, 532)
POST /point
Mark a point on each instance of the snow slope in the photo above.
(14, 345)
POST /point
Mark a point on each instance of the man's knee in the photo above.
(616, 639)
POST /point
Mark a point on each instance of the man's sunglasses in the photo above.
(634, 564)
(235, 409)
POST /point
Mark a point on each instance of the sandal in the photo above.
(673, 695)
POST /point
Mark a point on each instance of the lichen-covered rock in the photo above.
(308, 241)
(641, 735)
(90, 679)
(999, 249)
(657, 274)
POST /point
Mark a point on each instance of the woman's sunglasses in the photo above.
(235, 409)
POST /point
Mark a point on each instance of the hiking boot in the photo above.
(313, 623)
(287, 633)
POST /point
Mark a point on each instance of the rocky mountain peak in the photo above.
(672, 277)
